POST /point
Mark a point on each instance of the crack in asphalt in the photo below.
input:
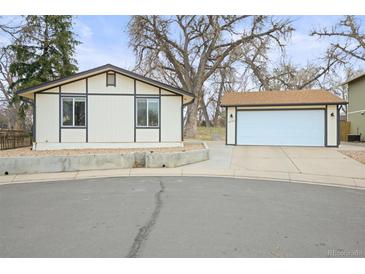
(145, 230)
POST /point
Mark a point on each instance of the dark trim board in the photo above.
(226, 125)
(135, 109)
(286, 105)
(111, 94)
(77, 127)
(159, 115)
(279, 109)
(325, 127)
(338, 126)
(65, 94)
(59, 115)
(107, 94)
(147, 95)
(235, 129)
(147, 127)
(35, 118)
(182, 119)
(87, 110)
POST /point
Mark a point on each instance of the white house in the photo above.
(107, 107)
(283, 118)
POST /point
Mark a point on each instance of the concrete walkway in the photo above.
(325, 166)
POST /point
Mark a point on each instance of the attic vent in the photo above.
(110, 79)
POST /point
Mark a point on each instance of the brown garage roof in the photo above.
(270, 98)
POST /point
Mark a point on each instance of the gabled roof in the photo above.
(355, 78)
(280, 98)
(97, 70)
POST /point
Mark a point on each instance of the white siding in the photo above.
(332, 125)
(111, 118)
(75, 87)
(165, 92)
(143, 88)
(97, 84)
(124, 84)
(73, 135)
(170, 118)
(147, 135)
(284, 107)
(231, 126)
(47, 121)
(52, 90)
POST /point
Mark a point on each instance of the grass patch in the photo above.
(211, 133)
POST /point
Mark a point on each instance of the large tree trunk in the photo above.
(192, 120)
(204, 110)
(217, 107)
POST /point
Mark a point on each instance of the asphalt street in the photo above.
(180, 217)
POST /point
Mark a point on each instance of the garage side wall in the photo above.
(231, 126)
(332, 125)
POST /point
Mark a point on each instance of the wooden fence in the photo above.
(344, 130)
(10, 139)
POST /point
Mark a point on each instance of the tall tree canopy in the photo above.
(44, 51)
(188, 50)
(40, 48)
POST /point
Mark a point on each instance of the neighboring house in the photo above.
(287, 118)
(107, 107)
(356, 107)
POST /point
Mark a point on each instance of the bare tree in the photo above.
(351, 42)
(192, 48)
(12, 107)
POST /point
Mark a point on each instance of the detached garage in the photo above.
(283, 118)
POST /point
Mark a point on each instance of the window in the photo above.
(147, 112)
(110, 79)
(73, 111)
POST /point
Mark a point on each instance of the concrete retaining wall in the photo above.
(156, 160)
(21, 165)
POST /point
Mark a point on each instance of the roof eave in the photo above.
(291, 104)
(101, 69)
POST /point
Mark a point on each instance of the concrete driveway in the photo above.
(180, 217)
(296, 162)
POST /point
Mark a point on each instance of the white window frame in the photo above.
(147, 119)
(74, 99)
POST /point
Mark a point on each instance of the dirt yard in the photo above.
(358, 155)
(28, 152)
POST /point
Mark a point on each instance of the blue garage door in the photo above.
(281, 127)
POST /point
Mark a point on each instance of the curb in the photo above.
(135, 172)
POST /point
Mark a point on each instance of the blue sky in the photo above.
(105, 40)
